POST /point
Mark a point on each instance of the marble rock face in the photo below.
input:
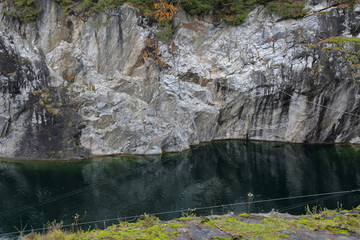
(74, 87)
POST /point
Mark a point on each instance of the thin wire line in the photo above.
(74, 192)
(195, 209)
(308, 202)
(334, 109)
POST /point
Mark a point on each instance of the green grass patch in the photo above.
(235, 226)
(244, 215)
(188, 217)
(175, 225)
(271, 228)
(148, 228)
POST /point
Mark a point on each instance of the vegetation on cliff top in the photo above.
(232, 11)
(24, 10)
(328, 222)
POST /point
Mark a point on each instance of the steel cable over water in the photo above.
(74, 192)
(328, 196)
(298, 205)
(80, 190)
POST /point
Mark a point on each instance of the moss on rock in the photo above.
(265, 226)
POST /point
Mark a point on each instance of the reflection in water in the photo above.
(212, 174)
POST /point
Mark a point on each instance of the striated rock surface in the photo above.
(74, 87)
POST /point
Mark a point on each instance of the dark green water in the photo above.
(218, 173)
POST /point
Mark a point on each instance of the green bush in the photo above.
(232, 11)
(165, 33)
(24, 10)
(288, 8)
(197, 7)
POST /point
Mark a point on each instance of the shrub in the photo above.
(24, 10)
(288, 8)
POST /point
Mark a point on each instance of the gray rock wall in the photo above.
(74, 87)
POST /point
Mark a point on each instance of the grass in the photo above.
(333, 220)
(149, 227)
(272, 228)
(235, 226)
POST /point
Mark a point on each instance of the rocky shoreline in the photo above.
(328, 224)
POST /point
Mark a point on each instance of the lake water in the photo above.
(33, 193)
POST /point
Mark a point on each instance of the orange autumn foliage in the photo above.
(164, 11)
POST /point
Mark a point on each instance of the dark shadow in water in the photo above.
(212, 174)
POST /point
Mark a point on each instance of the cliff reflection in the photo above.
(210, 174)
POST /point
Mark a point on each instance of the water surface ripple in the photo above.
(217, 173)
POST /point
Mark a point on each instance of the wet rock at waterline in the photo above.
(74, 87)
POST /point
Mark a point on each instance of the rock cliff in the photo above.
(74, 87)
